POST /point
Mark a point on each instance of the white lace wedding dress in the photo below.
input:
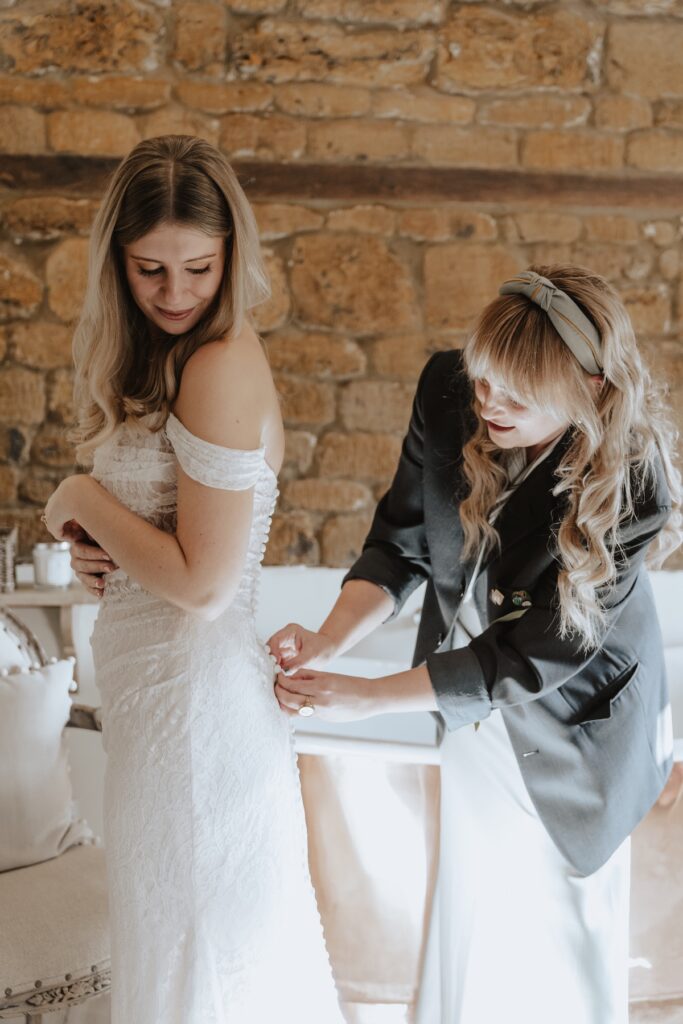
(213, 915)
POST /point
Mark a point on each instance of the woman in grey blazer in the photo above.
(535, 477)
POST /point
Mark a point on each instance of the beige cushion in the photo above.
(54, 922)
(38, 818)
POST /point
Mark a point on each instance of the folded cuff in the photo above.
(460, 688)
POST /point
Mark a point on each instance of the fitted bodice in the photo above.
(139, 468)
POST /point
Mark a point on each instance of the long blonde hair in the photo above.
(121, 370)
(618, 435)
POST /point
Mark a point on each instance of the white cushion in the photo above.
(54, 923)
(38, 818)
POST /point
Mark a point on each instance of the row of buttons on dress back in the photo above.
(269, 520)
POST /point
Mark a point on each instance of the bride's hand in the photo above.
(89, 562)
(294, 647)
(61, 509)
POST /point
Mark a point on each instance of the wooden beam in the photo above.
(373, 182)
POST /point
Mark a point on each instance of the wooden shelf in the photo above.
(27, 596)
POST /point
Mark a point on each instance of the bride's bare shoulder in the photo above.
(226, 389)
(243, 351)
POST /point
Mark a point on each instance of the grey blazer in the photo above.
(592, 731)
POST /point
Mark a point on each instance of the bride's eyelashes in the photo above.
(158, 270)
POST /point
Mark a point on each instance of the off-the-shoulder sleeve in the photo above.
(230, 469)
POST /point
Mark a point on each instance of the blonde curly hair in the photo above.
(618, 434)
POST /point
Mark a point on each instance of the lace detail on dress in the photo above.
(213, 917)
(139, 467)
(231, 469)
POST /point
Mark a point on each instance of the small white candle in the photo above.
(52, 564)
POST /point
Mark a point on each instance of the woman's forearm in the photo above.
(359, 609)
(405, 691)
(147, 554)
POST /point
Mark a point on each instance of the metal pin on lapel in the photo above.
(496, 597)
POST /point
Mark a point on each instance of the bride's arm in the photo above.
(198, 568)
(221, 400)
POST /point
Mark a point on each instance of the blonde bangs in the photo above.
(514, 346)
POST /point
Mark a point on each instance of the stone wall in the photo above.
(365, 286)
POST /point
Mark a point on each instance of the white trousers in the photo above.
(516, 935)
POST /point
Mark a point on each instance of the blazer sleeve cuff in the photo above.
(393, 575)
(459, 685)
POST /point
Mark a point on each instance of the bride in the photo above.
(213, 915)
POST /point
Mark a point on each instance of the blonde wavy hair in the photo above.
(122, 372)
(618, 435)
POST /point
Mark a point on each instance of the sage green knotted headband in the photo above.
(572, 325)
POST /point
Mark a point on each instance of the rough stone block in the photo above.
(318, 495)
(317, 99)
(606, 227)
(644, 57)
(292, 540)
(291, 51)
(350, 283)
(540, 111)
(460, 279)
(51, 447)
(359, 456)
(277, 220)
(43, 218)
(423, 105)
(119, 36)
(36, 487)
(223, 97)
(91, 133)
(401, 13)
(538, 226)
(119, 93)
(67, 275)
(41, 345)
(656, 150)
(22, 130)
(173, 120)
(22, 396)
(367, 219)
(572, 151)
(620, 113)
(299, 451)
(20, 290)
(649, 309)
(465, 147)
(357, 140)
(60, 396)
(404, 356)
(305, 402)
(441, 224)
(343, 538)
(266, 137)
(274, 312)
(327, 356)
(481, 48)
(200, 36)
(376, 405)
(9, 480)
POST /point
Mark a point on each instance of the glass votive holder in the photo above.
(52, 564)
